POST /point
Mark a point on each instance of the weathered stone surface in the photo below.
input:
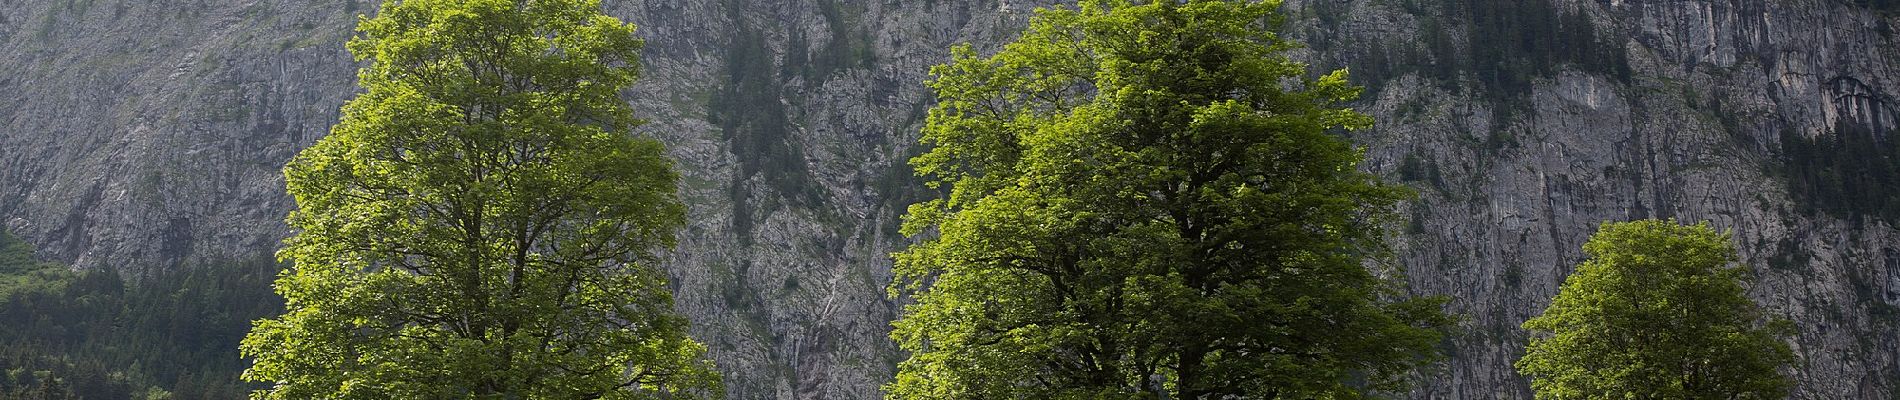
(1693, 135)
(143, 134)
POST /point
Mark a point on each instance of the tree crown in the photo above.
(1657, 311)
(480, 222)
(1147, 198)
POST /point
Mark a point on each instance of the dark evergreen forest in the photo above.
(1853, 172)
(1513, 43)
(96, 334)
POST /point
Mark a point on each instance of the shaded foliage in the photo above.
(96, 335)
(1880, 5)
(1851, 172)
(1507, 45)
(751, 114)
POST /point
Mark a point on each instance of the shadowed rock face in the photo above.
(141, 135)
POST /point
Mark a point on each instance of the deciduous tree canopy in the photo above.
(1657, 312)
(480, 223)
(1146, 200)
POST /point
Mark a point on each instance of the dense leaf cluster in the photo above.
(1657, 312)
(1144, 203)
(1850, 172)
(94, 335)
(1501, 46)
(1880, 5)
(481, 223)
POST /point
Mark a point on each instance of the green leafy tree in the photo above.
(15, 255)
(1146, 200)
(1657, 312)
(480, 223)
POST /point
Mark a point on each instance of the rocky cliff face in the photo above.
(1513, 182)
(145, 135)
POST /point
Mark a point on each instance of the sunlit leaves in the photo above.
(1147, 199)
(1658, 311)
(481, 222)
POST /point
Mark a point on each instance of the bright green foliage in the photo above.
(22, 272)
(1142, 206)
(1657, 312)
(480, 224)
(15, 255)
